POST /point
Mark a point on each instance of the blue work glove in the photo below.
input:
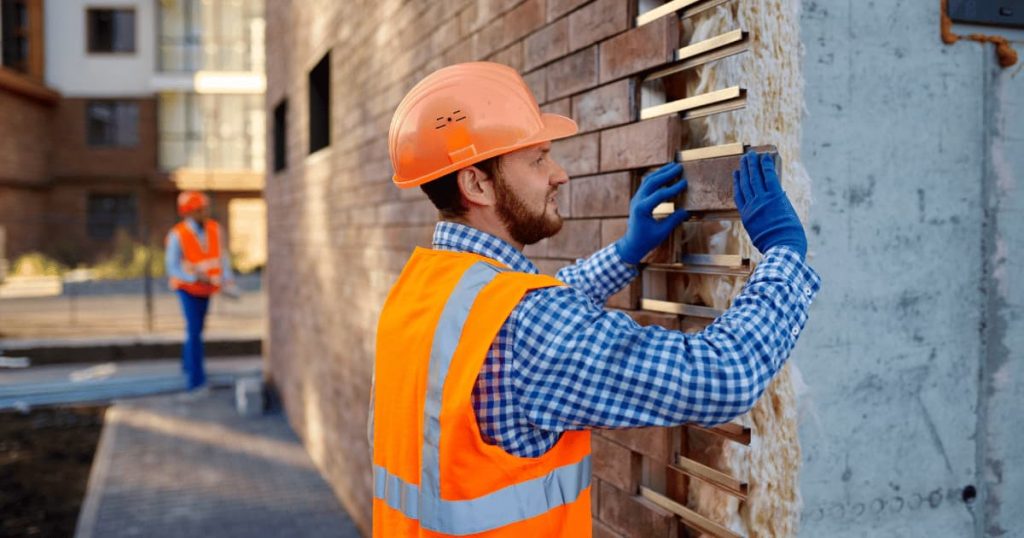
(644, 232)
(764, 208)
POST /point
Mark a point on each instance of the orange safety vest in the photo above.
(433, 474)
(197, 260)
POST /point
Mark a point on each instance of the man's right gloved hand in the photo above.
(766, 212)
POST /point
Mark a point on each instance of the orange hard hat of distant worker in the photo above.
(190, 201)
(463, 114)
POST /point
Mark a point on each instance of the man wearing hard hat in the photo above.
(198, 268)
(489, 376)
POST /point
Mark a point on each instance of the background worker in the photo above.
(198, 268)
(489, 376)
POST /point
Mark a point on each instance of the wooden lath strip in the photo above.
(714, 477)
(707, 51)
(731, 431)
(682, 309)
(734, 261)
(691, 7)
(711, 152)
(689, 517)
(693, 103)
(700, 269)
(727, 106)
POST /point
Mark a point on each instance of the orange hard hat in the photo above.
(463, 114)
(190, 201)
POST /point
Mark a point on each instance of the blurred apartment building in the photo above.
(109, 108)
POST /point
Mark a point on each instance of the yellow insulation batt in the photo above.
(771, 73)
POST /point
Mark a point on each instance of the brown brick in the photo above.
(615, 464)
(537, 81)
(655, 443)
(647, 143)
(578, 239)
(564, 199)
(633, 516)
(557, 8)
(547, 44)
(601, 196)
(605, 106)
(596, 21)
(549, 267)
(603, 531)
(561, 106)
(577, 154)
(511, 56)
(639, 49)
(612, 230)
(572, 74)
(522, 20)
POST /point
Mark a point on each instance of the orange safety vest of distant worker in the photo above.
(433, 473)
(199, 260)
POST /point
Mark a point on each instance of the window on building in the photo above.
(281, 135)
(112, 123)
(216, 131)
(111, 30)
(320, 105)
(226, 35)
(14, 33)
(107, 213)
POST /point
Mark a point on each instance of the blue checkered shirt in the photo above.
(562, 362)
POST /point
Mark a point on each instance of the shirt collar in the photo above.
(461, 238)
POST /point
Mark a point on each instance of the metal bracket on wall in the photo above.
(669, 307)
(687, 8)
(701, 105)
(690, 518)
(711, 152)
(709, 50)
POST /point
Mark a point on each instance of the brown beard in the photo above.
(524, 226)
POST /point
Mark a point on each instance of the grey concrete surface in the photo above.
(173, 467)
(24, 388)
(912, 353)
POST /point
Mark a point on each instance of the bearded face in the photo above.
(526, 186)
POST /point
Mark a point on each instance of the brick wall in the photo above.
(74, 157)
(340, 232)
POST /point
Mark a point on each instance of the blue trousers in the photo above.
(194, 309)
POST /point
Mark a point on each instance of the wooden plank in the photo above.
(693, 103)
(711, 152)
(689, 517)
(669, 307)
(714, 477)
(731, 431)
(704, 52)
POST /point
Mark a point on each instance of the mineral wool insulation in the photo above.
(771, 73)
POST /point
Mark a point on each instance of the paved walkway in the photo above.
(22, 388)
(170, 467)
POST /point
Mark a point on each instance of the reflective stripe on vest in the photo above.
(513, 503)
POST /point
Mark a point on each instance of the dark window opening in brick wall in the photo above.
(111, 30)
(14, 33)
(112, 123)
(107, 213)
(280, 135)
(320, 105)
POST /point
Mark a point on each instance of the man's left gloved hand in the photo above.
(644, 232)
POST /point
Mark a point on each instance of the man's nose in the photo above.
(559, 176)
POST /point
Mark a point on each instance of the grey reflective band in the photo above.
(508, 505)
(513, 503)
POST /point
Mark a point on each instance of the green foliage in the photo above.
(37, 264)
(128, 260)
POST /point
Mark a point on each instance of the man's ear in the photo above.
(477, 187)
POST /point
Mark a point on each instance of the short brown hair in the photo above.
(445, 194)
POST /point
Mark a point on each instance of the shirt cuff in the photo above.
(786, 264)
(614, 272)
